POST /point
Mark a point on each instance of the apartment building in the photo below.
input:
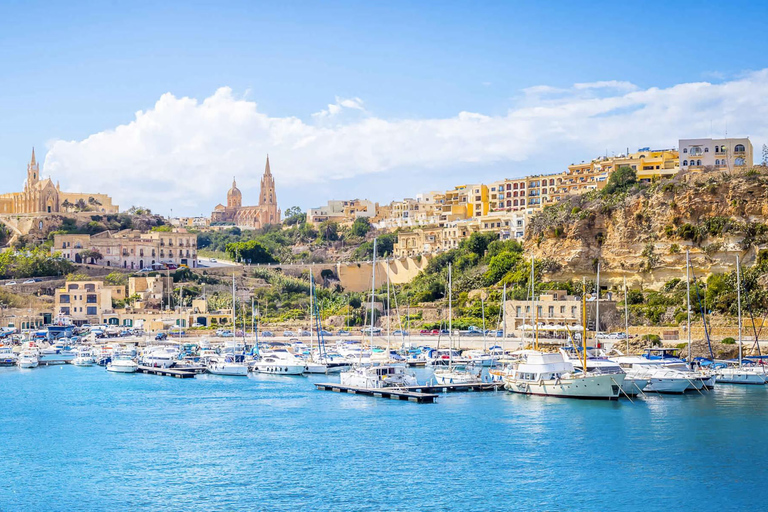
(86, 301)
(129, 248)
(650, 164)
(715, 154)
(343, 211)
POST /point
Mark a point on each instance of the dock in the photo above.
(452, 388)
(391, 393)
(166, 372)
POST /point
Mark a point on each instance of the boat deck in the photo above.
(391, 393)
(451, 388)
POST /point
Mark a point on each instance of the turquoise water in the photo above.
(85, 439)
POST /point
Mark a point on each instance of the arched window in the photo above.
(739, 148)
(717, 162)
(706, 150)
(685, 150)
(685, 163)
(722, 149)
(739, 161)
(698, 162)
(717, 149)
(515, 202)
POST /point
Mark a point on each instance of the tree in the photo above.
(499, 266)
(251, 251)
(116, 279)
(93, 201)
(81, 204)
(621, 180)
(139, 210)
(479, 242)
(360, 227)
(294, 216)
(66, 205)
(90, 254)
(329, 231)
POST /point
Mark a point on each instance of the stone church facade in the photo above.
(250, 217)
(42, 196)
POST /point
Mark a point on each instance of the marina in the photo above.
(391, 393)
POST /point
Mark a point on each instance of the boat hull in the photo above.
(597, 387)
(667, 385)
(740, 377)
(279, 369)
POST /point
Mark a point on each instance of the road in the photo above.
(207, 263)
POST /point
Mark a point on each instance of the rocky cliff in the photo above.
(643, 234)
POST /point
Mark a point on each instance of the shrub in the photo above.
(728, 341)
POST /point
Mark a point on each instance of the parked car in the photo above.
(147, 269)
(10, 283)
(444, 332)
(400, 332)
(161, 336)
(267, 334)
(305, 333)
(197, 324)
(227, 334)
(343, 332)
(375, 330)
(213, 260)
(289, 334)
(323, 332)
(472, 331)
(32, 281)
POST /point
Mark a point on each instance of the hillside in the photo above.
(643, 231)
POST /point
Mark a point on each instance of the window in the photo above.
(685, 163)
(72, 287)
(64, 311)
(685, 150)
(551, 311)
(539, 312)
(717, 149)
(739, 161)
(698, 162)
(706, 150)
(90, 310)
(717, 162)
(739, 148)
(519, 312)
(573, 311)
(562, 310)
(90, 299)
(64, 299)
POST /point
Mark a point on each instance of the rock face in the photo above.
(643, 234)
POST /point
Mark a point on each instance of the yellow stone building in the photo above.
(251, 217)
(42, 196)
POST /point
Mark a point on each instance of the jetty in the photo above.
(167, 372)
(391, 393)
(452, 388)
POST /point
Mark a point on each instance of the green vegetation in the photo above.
(621, 180)
(251, 252)
(35, 262)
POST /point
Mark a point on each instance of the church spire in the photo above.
(267, 170)
(234, 182)
(33, 161)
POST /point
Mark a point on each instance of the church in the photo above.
(250, 217)
(42, 196)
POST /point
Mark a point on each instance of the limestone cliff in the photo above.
(643, 234)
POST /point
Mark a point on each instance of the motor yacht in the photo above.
(7, 357)
(598, 364)
(83, 358)
(549, 374)
(456, 375)
(376, 377)
(744, 374)
(59, 353)
(159, 356)
(279, 362)
(28, 359)
(227, 366)
(122, 364)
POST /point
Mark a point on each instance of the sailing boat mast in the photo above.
(584, 322)
(389, 311)
(533, 308)
(234, 324)
(738, 298)
(450, 319)
(688, 298)
(626, 314)
(373, 295)
(504, 319)
(597, 307)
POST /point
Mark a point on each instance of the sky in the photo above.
(160, 104)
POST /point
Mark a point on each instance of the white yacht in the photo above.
(742, 375)
(632, 385)
(7, 357)
(376, 377)
(227, 366)
(279, 362)
(122, 364)
(28, 359)
(548, 374)
(456, 375)
(83, 358)
(478, 358)
(159, 356)
(666, 373)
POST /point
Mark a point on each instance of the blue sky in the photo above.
(71, 71)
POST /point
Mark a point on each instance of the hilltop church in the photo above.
(251, 217)
(42, 196)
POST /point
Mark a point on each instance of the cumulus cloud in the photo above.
(182, 153)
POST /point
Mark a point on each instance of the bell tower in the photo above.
(33, 170)
(268, 197)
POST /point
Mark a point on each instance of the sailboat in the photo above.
(226, 365)
(740, 374)
(381, 375)
(453, 374)
(319, 361)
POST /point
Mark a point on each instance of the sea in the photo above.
(81, 438)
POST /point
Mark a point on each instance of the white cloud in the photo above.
(341, 103)
(182, 152)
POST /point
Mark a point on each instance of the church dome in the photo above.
(234, 196)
